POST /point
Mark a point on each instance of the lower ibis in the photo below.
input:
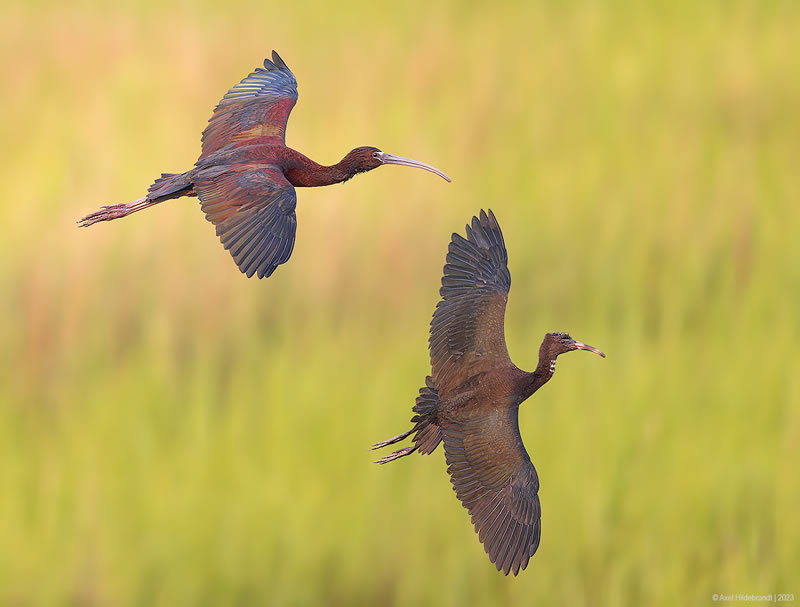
(471, 400)
(246, 176)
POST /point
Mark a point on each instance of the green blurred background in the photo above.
(172, 433)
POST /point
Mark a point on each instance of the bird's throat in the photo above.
(534, 381)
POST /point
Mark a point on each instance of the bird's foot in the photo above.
(391, 441)
(106, 213)
(113, 211)
(397, 454)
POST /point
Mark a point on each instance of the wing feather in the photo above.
(496, 482)
(258, 106)
(467, 327)
(253, 209)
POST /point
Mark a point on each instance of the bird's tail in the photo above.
(166, 187)
(428, 433)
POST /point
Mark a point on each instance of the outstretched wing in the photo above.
(252, 207)
(258, 106)
(497, 483)
(467, 334)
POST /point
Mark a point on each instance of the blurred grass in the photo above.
(172, 433)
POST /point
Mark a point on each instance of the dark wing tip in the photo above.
(480, 254)
(484, 230)
(489, 221)
(514, 553)
(279, 63)
(275, 65)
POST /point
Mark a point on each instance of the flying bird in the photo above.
(246, 176)
(471, 400)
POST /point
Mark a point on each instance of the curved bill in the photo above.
(407, 162)
(578, 345)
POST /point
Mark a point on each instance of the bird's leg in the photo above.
(115, 211)
(397, 454)
(391, 441)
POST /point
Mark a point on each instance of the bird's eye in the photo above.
(375, 155)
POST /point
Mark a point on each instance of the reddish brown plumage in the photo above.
(245, 176)
(471, 401)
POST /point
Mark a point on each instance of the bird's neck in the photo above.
(305, 173)
(533, 381)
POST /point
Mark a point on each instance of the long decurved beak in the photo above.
(579, 345)
(407, 162)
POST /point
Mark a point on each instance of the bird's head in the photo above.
(555, 344)
(363, 159)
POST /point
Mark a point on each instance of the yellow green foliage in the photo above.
(172, 433)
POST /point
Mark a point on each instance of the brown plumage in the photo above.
(245, 177)
(471, 400)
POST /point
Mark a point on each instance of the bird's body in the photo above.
(246, 175)
(471, 400)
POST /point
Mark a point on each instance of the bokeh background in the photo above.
(172, 433)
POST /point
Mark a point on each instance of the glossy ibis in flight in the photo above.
(471, 400)
(246, 175)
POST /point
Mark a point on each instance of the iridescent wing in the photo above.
(497, 483)
(467, 334)
(258, 106)
(252, 207)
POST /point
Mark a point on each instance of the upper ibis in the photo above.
(246, 176)
(471, 400)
